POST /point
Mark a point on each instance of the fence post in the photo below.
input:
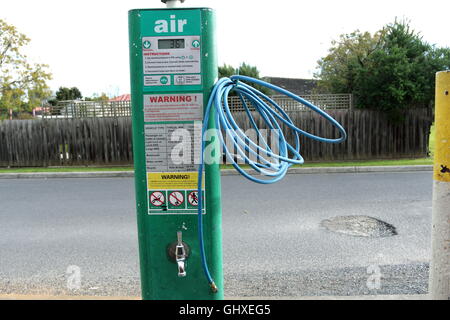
(440, 260)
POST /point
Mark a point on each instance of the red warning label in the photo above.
(173, 107)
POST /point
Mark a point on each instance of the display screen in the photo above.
(171, 44)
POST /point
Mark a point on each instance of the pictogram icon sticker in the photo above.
(157, 199)
(193, 198)
(176, 199)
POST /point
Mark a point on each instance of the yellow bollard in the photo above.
(440, 261)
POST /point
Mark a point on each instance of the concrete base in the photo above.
(440, 262)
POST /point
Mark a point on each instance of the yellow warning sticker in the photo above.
(172, 180)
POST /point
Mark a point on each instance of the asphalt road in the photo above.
(274, 244)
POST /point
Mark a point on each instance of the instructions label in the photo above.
(150, 81)
(173, 56)
(190, 79)
(173, 147)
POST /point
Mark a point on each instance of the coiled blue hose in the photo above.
(274, 118)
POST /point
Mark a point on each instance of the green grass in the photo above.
(403, 162)
(400, 162)
(64, 169)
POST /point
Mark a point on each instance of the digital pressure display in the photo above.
(171, 44)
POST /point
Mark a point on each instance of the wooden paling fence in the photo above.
(59, 142)
(107, 141)
(370, 135)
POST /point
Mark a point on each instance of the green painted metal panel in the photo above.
(159, 277)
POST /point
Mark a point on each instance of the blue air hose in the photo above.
(274, 118)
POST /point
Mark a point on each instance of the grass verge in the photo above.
(64, 169)
(402, 162)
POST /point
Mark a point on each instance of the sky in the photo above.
(85, 42)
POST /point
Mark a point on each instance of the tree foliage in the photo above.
(22, 84)
(392, 70)
(244, 70)
(103, 97)
(227, 71)
(64, 94)
(346, 56)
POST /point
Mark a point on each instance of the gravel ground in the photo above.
(394, 280)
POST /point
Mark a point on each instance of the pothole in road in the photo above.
(360, 226)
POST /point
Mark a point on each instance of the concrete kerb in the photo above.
(357, 169)
(225, 172)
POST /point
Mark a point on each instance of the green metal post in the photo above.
(173, 65)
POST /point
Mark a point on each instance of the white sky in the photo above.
(85, 42)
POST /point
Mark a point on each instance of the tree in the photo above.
(347, 55)
(227, 71)
(22, 84)
(392, 70)
(64, 94)
(244, 70)
(103, 97)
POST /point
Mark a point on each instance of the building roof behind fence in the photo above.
(297, 86)
(124, 97)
